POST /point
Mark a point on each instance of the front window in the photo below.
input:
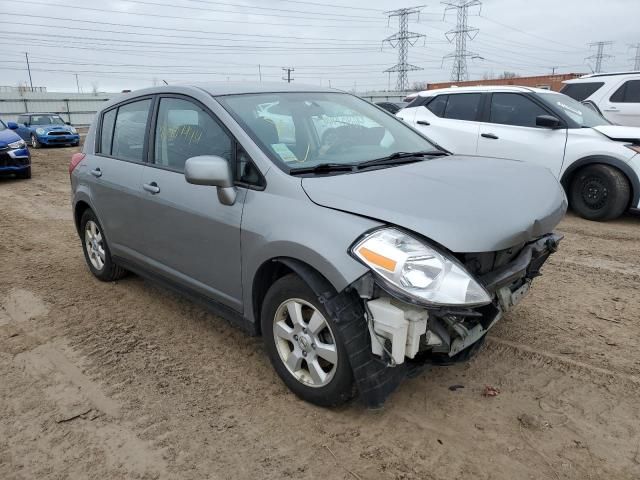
(46, 120)
(306, 129)
(2, 126)
(584, 116)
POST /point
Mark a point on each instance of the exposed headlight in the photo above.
(410, 267)
(40, 131)
(18, 144)
(73, 130)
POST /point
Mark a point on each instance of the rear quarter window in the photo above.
(106, 132)
(629, 92)
(581, 91)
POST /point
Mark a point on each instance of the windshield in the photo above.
(46, 120)
(576, 111)
(306, 129)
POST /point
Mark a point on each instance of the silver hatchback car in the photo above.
(359, 249)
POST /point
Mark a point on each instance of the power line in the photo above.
(402, 40)
(215, 20)
(599, 56)
(461, 33)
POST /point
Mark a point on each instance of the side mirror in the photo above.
(547, 121)
(12, 125)
(213, 171)
(26, 124)
(67, 123)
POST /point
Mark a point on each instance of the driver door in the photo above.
(511, 132)
(190, 237)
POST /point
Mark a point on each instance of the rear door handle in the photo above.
(610, 109)
(423, 122)
(489, 135)
(151, 187)
(96, 173)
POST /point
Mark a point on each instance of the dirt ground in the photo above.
(125, 380)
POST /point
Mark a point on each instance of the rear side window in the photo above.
(437, 105)
(130, 130)
(629, 92)
(106, 133)
(185, 130)
(581, 91)
(463, 106)
(514, 109)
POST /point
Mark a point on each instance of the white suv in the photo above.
(615, 95)
(597, 162)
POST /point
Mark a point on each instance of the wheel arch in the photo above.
(278, 267)
(629, 173)
(80, 207)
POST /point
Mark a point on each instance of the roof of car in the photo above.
(590, 76)
(482, 88)
(40, 113)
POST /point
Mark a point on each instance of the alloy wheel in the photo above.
(94, 244)
(305, 343)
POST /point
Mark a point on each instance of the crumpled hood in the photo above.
(467, 204)
(618, 132)
(8, 136)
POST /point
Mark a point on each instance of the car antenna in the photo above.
(165, 82)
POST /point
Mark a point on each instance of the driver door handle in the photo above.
(489, 135)
(423, 122)
(96, 173)
(152, 187)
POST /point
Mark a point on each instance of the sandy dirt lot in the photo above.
(125, 380)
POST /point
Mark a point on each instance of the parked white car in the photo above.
(596, 162)
(615, 95)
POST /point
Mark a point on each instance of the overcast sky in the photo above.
(116, 44)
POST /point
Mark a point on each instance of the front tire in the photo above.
(96, 250)
(599, 192)
(35, 143)
(304, 344)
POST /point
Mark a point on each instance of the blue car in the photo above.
(14, 154)
(46, 129)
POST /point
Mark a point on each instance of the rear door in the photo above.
(190, 237)
(451, 120)
(114, 174)
(623, 106)
(511, 132)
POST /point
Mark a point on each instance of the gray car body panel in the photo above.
(185, 235)
(510, 203)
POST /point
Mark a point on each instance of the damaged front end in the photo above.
(405, 333)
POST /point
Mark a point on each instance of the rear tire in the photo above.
(96, 250)
(599, 192)
(304, 345)
(35, 143)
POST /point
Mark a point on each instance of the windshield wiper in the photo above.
(401, 157)
(324, 168)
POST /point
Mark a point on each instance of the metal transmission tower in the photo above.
(288, 71)
(461, 33)
(636, 59)
(402, 40)
(599, 56)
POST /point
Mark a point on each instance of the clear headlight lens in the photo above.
(18, 144)
(73, 130)
(40, 131)
(415, 269)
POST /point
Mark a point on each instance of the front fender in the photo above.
(276, 227)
